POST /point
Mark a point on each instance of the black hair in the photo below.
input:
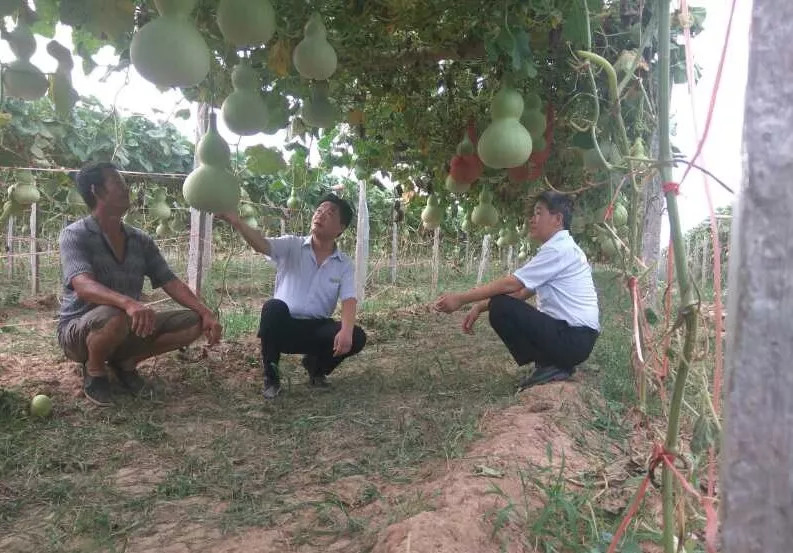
(345, 209)
(557, 203)
(90, 179)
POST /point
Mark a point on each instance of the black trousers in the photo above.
(280, 333)
(534, 336)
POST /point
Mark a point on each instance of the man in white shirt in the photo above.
(312, 276)
(561, 332)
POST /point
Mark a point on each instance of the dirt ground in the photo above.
(436, 477)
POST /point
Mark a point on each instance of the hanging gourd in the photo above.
(24, 191)
(246, 22)
(276, 114)
(317, 110)
(158, 207)
(456, 187)
(535, 122)
(485, 214)
(314, 57)
(244, 111)
(523, 255)
(608, 246)
(22, 79)
(620, 215)
(8, 7)
(505, 143)
(162, 229)
(212, 187)
(466, 226)
(169, 51)
(466, 166)
(293, 202)
(62, 93)
(432, 213)
(74, 200)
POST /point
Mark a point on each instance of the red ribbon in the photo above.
(673, 187)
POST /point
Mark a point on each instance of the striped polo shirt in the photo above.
(85, 249)
(310, 291)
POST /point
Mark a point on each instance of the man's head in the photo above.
(331, 217)
(552, 212)
(103, 188)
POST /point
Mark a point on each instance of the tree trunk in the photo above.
(758, 441)
(653, 213)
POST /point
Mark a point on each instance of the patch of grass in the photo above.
(239, 323)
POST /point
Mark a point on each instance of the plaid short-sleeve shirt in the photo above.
(85, 249)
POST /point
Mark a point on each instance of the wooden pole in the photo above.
(394, 250)
(34, 250)
(483, 263)
(436, 259)
(198, 260)
(757, 457)
(10, 247)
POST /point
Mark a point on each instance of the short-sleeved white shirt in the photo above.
(561, 277)
(310, 291)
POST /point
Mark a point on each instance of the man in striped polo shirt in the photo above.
(312, 277)
(103, 324)
(561, 331)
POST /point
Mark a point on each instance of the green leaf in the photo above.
(263, 161)
(182, 114)
(47, 17)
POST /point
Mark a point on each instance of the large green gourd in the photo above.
(317, 110)
(212, 187)
(314, 57)
(22, 79)
(62, 93)
(169, 51)
(432, 214)
(505, 143)
(485, 214)
(246, 22)
(244, 111)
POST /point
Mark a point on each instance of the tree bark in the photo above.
(652, 216)
(758, 441)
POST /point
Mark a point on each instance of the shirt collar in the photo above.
(92, 225)
(336, 253)
(558, 236)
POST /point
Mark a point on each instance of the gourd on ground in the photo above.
(244, 110)
(62, 93)
(211, 186)
(432, 214)
(22, 79)
(168, 50)
(506, 142)
(246, 22)
(314, 57)
(485, 214)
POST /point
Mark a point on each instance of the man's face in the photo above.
(543, 224)
(114, 192)
(326, 221)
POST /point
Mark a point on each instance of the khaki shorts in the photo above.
(72, 337)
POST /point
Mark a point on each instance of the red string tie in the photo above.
(672, 187)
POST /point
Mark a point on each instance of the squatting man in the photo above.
(561, 331)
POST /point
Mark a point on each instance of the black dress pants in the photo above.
(531, 335)
(279, 333)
